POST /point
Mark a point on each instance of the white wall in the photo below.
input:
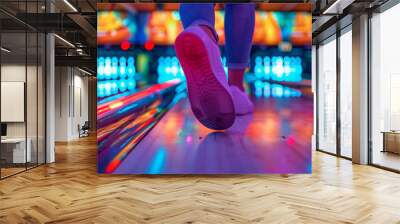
(62, 82)
(71, 93)
(11, 73)
(16, 73)
(33, 127)
(81, 84)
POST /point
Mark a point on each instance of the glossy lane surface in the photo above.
(275, 139)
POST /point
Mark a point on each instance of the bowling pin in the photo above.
(107, 68)
(122, 67)
(100, 68)
(267, 68)
(258, 68)
(131, 67)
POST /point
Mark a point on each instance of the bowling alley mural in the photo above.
(146, 123)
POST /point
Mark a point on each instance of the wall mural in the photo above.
(149, 119)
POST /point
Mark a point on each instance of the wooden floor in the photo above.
(5, 172)
(70, 191)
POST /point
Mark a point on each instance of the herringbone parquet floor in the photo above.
(70, 191)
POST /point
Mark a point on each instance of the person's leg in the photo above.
(201, 14)
(239, 28)
(199, 55)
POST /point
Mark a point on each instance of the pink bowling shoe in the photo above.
(209, 93)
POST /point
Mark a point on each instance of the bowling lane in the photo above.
(275, 139)
(124, 119)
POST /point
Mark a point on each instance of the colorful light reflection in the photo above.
(123, 120)
(274, 90)
(278, 68)
(118, 74)
(162, 27)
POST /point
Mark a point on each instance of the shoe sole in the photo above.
(211, 102)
